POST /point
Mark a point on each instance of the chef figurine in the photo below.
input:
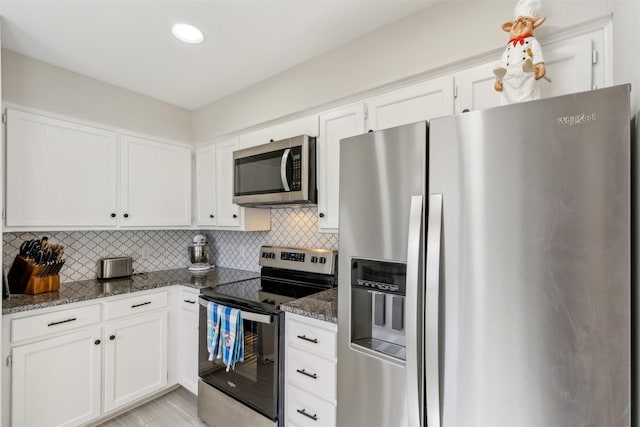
(522, 61)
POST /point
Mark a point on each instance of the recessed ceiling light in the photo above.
(187, 33)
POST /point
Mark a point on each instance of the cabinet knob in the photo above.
(271, 140)
(112, 337)
(113, 215)
(97, 342)
(235, 216)
(321, 215)
(126, 215)
(212, 216)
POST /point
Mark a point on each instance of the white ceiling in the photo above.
(129, 43)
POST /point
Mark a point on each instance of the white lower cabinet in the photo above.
(187, 340)
(310, 372)
(70, 366)
(56, 381)
(135, 358)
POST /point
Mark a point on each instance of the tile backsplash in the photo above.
(154, 250)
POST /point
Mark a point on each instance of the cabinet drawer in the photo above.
(54, 322)
(135, 305)
(307, 410)
(311, 373)
(188, 299)
(312, 338)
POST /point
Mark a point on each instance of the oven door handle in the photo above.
(246, 315)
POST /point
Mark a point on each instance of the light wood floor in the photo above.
(175, 409)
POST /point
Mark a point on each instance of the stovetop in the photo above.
(287, 274)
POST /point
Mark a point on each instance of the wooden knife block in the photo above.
(23, 278)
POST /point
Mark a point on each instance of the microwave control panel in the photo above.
(296, 172)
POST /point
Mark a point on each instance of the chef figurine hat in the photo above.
(527, 8)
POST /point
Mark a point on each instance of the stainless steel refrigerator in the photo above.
(485, 268)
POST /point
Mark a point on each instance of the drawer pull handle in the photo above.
(141, 304)
(189, 301)
(303, 372)
(314, 417)
(73, 319)
(305, 338)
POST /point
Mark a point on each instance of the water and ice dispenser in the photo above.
(378, 306)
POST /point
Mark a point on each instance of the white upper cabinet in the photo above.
(424, 101)
(59, 173)
(155, 183)
(228, 212)
(302, 126)
(214, 192)
(334, 125)
(476, 90)
(205, 185)
(568, 64)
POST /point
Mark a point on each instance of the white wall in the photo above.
(36, 84)
(426, 42)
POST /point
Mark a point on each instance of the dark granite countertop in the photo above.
(321, 306)
(94, 289)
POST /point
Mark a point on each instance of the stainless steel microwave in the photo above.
(278, 174)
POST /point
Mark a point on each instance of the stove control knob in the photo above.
(273, 255)
(314, 259)
(323, 260)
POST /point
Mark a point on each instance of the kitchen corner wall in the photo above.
(167, 249)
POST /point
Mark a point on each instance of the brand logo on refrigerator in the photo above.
(576, 119)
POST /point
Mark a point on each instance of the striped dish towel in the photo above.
(213, 330)
(232, 336)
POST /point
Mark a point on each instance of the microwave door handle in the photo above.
(283, 169)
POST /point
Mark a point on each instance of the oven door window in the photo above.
(253, 382)
(261, 174)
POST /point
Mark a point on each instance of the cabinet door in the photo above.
(155, 183)
(206, 185)
(135, 359)
(476, 88)
(56, 382)
(424, 101)
(59, 173)
(334, 126)
(214, 192)
(188, 349)
(568, 65)
(228, 212)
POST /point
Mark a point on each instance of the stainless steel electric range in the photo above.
(253, 392)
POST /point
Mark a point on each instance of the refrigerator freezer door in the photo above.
(536, 276)
(380, 173)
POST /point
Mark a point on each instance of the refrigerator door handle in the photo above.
(432, 350)
(413, 328)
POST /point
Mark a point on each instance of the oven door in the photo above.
(254, 382)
